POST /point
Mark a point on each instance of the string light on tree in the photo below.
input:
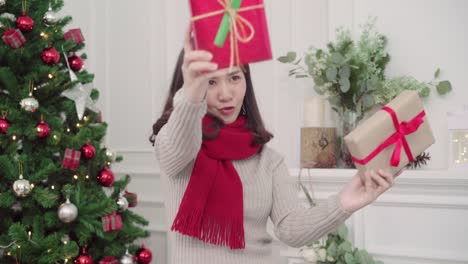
(44, 35)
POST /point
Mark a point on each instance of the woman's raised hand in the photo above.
(195, 68)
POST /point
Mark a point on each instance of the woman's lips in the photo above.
(227, 111)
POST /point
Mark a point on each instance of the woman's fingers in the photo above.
(201, 66)
(188, 39)
(368, 181)
(382, 184)
(197, 55)
(387, 176)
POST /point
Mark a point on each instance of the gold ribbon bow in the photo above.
(236, 22)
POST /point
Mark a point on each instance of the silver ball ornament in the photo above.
(122, 203)
(29, 104)
(50, 18)
(110, 155)
(67, 212)
(127, 259)
(21, 187)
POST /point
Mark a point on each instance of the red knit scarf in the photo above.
(212, 208)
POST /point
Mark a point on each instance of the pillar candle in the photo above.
(313, 111)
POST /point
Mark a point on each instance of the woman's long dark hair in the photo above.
(253, 117)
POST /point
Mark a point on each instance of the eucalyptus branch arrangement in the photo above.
(351, 74)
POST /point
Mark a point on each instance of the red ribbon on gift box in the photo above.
(112, 222)
(398, 137)
(131, 198)
(75, 35)
(71, 159)
(109, 260)
(13, 38)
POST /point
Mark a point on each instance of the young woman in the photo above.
(222, 182)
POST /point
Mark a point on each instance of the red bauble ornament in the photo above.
(106, 177)
(50, 56)
(25, 23)
(84, 258)
(4, 125)
(43, 129)
(76, 62)
(88, 151)
(144, 255)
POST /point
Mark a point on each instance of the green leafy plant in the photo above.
(351, 75)
(336, 249)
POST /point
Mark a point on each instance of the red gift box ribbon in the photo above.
(236, 21)
(109, 260)
(398, 137)
(14, 38)
(71, 159)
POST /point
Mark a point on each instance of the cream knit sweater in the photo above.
(266, 191)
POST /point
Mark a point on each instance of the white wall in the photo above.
(132, 47)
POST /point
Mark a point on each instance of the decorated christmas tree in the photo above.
(59, 199)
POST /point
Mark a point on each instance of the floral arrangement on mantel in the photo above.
(351, 75)
(336, 249)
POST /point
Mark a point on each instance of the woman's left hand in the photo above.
(364, 189)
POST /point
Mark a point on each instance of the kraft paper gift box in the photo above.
(393, 136)
(232, 44)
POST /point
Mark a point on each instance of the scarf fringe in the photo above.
(222, 231)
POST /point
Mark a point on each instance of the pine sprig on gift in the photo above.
(420, 160)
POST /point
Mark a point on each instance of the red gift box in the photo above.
(71, 159)
(109, 260)
(132, 199)
(13, 38)
(75, 35)
(244, 41)
(112, 222)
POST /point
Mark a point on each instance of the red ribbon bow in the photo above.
(398, 137)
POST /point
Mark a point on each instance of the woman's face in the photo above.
(225, 94)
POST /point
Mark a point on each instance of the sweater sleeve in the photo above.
(179, 140)
(295, 224)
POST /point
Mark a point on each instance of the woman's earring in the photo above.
(243, 110)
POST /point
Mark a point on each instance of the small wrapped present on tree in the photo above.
(131, 198)
(393, 136)
(75, 35)
(109, 260)
(112, 222)
(13, 38)
(235, 31)
(71, 159)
